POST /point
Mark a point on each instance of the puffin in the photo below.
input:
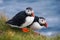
(38, 23)
(22, 19)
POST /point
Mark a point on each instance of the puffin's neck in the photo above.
(40, 23)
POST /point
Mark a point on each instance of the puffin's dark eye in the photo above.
(42, 20)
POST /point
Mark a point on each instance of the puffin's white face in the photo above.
(29, 12)
(42, 21)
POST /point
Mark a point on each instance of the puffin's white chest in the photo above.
(28, 21)
(36, 26)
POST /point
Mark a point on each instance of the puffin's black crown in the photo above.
(29, 8)
(42, 18)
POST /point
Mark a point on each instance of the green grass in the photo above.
(8, 33)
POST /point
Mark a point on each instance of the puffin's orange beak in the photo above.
(46, 25)
(25, 29)
(33, 14)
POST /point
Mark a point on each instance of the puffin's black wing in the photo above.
(18, 19)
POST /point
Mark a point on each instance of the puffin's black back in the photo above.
(18, 19)
(36, 19)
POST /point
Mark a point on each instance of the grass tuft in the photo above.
(8, 33)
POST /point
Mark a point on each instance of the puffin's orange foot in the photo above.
(25, 29)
